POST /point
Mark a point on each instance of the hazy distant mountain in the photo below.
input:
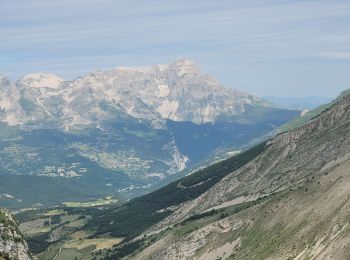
(307, 115)
(297, 103)
(178, 92)
(121, 130)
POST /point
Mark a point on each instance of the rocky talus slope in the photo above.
(12, 244)
(291, 202)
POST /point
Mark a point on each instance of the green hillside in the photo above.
(301, 120)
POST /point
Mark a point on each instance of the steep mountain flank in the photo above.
(12, 244)
(290, 202)
(289, 158)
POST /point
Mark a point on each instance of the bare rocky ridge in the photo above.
(12, 244)
(178, 91)
(303, 177)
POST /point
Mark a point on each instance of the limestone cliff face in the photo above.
(12, 244)
(179, 91)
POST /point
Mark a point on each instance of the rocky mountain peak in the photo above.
(3, 80)
(179, 91)
(185, 66)
(40, 80)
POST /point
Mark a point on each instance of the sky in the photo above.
(265, 47)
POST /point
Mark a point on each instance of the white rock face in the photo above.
(41, 80)
(168, 109)
(178, 91)
(12, 244)
(10, 110)
(163, 91)
(20, 104)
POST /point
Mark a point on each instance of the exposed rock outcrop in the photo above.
(12, 244)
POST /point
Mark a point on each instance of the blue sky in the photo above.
(265, 47)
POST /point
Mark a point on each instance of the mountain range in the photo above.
(298, 103)
(121, 132)
(178, 92)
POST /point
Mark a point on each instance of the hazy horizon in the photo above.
(275, 48)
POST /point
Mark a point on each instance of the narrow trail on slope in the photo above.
(59, 251)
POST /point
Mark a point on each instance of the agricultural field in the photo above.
(100, 202)
(60, 233)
